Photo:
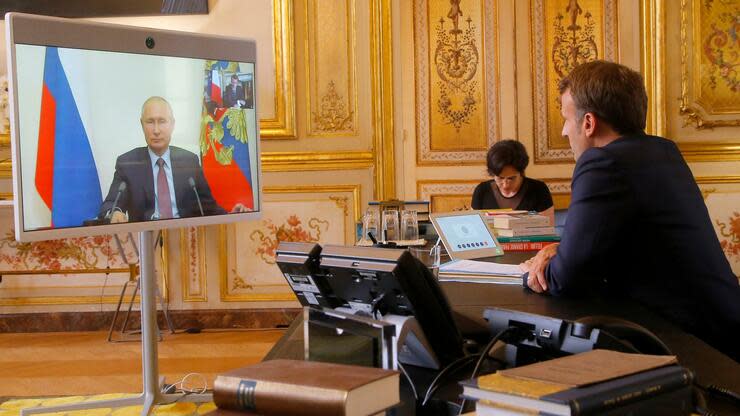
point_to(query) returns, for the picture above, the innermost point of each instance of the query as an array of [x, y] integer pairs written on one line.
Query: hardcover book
[[672, 403], [518, 232], [520, 221], [583, 384], [305, 388]]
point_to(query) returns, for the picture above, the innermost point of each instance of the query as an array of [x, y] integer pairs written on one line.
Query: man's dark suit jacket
[[135, 168], [230, 96], [638, 227]]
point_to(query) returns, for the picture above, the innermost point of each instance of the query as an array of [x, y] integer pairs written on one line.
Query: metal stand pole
[[152, 386]]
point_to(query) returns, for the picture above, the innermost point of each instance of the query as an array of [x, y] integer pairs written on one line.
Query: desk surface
[[468, 301]]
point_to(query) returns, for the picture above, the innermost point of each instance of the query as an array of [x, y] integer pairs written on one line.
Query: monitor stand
[[152, 384], [411, 346]]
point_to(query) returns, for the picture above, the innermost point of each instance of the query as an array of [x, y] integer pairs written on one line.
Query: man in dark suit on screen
[[637, 224], [233, 95], [158, 181]]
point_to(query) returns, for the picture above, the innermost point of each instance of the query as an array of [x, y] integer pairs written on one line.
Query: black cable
[[523, 334], [433, 385], [411, 382], [375, 305]]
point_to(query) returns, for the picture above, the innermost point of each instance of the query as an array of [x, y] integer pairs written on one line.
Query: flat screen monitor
[[118, 128]]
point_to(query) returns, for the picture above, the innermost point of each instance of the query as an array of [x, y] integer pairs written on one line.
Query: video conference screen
[[123, 138]]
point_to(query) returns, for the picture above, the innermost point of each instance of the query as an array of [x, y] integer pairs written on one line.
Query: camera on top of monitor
[[149, 42]]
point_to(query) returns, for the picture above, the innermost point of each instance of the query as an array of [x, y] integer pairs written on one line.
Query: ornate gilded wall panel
[[722, 196], [565, 33], [318, 213], [74, 271], [457, 88], [193, 271], [282, 124], [710, 63], [330, 68]]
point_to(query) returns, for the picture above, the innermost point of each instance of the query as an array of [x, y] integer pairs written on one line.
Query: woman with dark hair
[[509, 188]]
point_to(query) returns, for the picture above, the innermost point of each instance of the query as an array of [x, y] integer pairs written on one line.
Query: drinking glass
[[390, 225], [371, 224], [429, 256], [409, 225]]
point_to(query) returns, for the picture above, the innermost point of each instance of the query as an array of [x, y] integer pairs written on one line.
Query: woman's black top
[[535, 197]]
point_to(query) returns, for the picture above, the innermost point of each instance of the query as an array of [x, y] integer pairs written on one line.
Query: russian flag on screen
[[66, 176], [230, 183]]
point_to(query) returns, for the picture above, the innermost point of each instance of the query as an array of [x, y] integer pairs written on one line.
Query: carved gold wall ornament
[[333, 116], [710, 61], [565, 33], [456, 62], [457, 80]]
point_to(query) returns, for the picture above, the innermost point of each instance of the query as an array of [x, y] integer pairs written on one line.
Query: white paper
[[480, 268]]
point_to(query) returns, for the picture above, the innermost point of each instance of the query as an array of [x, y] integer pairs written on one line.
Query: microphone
[[121, 188], [191, 181]]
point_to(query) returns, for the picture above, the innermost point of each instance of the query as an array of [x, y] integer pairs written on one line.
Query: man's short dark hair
[[234, 76], [505, 153], [613, 92]]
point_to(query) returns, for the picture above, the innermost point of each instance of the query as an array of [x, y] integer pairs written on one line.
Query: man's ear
[[589, 124]]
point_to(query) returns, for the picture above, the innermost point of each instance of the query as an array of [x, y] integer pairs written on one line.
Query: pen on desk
[[372, 238]]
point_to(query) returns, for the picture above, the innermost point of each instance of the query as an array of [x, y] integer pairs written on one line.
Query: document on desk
[[482, 268], [471, 271]]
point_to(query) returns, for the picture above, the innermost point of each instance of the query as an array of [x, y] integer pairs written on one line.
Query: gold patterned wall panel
[[565, 33], [6, 169], [457, 85], [330, 68], [722, 196], [710, 63], [74, 271], [317, 213]]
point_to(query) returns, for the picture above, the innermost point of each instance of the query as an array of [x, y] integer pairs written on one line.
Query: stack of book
[[599, 382], [295, 388], [517, 231]]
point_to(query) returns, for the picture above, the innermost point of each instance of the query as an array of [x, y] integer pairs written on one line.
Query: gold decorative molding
[[4, 140], [193, 273], [341, 202], [381, 62], [457, 81], [332, 117], [652, 19], [6, 196], [697, 107], [6, 169], [330, 45], [565, 33], [282, 126], [710, 151], [61, 300], [701, 180], [311, 161]]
